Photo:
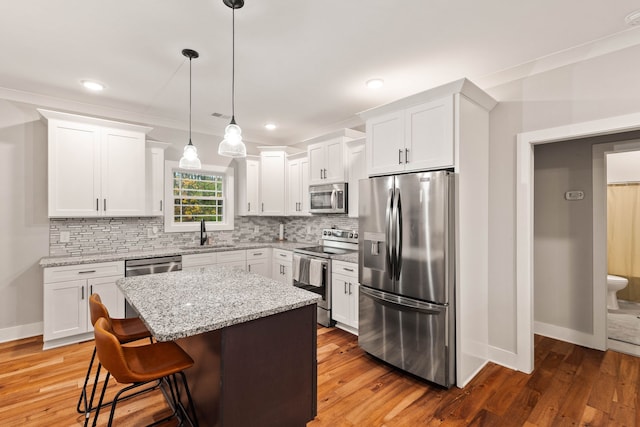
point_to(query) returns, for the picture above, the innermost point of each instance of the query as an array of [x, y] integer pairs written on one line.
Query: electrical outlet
[[64, 236], [256, 229]]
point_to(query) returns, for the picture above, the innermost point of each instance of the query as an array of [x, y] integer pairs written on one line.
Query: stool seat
[[129, 330], [153, 361]]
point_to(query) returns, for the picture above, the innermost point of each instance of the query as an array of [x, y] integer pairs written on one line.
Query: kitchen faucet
[[203, 233]]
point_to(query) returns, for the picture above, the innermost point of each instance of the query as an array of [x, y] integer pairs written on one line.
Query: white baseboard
[[505, 358], [568, 335], [21, 331], [624, 347]]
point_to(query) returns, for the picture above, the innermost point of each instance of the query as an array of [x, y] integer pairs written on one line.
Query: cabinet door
[[110, 295], [317, 163], [74, 169], [429, 132], [259, 266], [293, 187], [123, 173], [340, 304], [385, 143], [272, 183], [334, 161], [241, 265], [354, 291], [65, 309], [304, 186], [356, 170], [155, 181], [253, 184], [282, 272]]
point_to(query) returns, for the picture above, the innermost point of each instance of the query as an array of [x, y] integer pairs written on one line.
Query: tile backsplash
[[122, 235]]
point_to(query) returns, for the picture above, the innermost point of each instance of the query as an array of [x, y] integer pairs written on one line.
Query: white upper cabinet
[[356, 170], [96, 167], [297, 186], [421, 132], [326, 163], [272, 183], [155, 177], [248, 186], [416, 138]]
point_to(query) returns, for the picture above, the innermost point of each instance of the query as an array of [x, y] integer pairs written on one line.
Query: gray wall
[[593, 89], [563, 236]]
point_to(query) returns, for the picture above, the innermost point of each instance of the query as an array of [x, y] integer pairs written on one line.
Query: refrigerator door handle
[[397, 208], [399, 303], [389, 258]]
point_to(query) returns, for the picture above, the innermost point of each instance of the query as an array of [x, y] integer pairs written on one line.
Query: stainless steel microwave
[[328, 198]]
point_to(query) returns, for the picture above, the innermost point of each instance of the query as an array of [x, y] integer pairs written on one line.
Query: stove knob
[[325, 232], [351, 235], [355, 235]]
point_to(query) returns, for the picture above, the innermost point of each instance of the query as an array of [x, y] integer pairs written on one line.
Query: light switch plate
[[64, 236], [574, 195]]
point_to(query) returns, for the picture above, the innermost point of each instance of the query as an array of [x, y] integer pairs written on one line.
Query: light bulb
[[232, 145], [190, 158]]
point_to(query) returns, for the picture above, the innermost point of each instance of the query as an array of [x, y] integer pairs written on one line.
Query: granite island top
[[186, 303], [56, 261]]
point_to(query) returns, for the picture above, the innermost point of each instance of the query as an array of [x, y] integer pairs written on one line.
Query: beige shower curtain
[[623, 236]]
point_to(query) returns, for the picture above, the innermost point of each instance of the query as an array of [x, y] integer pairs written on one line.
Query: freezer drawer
[[412, 335]]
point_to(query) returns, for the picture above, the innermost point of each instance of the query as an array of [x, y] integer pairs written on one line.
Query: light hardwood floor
[[571, 385]]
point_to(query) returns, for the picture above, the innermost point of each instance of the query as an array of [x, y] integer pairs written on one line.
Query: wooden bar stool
[[142, 365], [125, 330]]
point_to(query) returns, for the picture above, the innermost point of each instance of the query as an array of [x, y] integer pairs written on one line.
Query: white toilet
[[614, 284]]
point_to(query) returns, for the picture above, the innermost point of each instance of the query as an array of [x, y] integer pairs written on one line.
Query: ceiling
[[299, 64]]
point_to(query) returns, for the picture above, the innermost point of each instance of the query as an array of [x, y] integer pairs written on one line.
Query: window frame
[[228, 198]]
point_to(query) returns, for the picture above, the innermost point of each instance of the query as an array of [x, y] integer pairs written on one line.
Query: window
[[194, 195]]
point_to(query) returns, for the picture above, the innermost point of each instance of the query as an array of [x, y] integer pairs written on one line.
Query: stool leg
[[83, 393], [104, 389], [190, 401]]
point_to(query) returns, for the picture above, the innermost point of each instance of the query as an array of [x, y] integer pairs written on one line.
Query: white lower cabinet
[[282, 266], [66, 300], [237, 259], [344, 295], [259, 261], [195, 261]]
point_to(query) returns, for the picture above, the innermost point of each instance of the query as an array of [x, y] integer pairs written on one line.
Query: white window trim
[[229, 203]]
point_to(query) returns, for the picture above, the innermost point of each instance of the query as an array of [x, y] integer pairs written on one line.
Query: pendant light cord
[[233, 64], [190, 99]]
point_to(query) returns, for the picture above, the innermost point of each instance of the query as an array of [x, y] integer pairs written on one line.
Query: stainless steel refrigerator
[[407, 273]]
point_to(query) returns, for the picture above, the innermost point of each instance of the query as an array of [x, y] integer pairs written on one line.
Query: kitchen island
[[253, 341]]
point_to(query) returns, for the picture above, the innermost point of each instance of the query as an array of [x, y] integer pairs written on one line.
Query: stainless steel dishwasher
[[143, 266]]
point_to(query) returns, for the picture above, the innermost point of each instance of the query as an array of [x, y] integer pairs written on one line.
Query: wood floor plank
[[571, 385]]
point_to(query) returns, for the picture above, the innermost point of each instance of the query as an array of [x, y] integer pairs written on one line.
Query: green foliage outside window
[[197, 196]]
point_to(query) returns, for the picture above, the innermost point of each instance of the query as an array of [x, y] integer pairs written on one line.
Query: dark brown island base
[[253, 341]]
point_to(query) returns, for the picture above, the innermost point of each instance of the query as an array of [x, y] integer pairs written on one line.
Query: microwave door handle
[[333, 199]]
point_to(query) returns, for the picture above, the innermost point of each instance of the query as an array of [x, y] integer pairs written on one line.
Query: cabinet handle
[[349, 288], [321, 173], [406, 155], [345, 288], [104, 204], [97, 201], [263, 207], [347, 269], [257, 254], [399, 154], [86, 271], [160, 205], [325, 174], [82, 296], [90, 289], [249, 267], [282, 255]]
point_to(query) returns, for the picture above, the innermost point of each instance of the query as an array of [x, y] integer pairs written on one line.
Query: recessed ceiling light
[[633, 18], [375, 83], [270, 126], [92, 85]]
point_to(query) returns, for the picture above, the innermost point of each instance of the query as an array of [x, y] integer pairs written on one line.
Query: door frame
[[524, 224]]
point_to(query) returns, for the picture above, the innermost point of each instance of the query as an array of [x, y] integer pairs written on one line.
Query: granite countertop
[[186, 303], [178, 250]]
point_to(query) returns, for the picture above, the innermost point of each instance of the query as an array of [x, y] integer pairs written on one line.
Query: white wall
[[24, 225], [593, 89], [623, 167]]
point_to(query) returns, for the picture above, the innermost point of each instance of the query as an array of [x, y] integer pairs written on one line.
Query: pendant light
[[232, 145], [190, 158]]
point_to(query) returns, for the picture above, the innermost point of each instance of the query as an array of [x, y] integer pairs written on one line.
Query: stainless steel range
[[312, 266]]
